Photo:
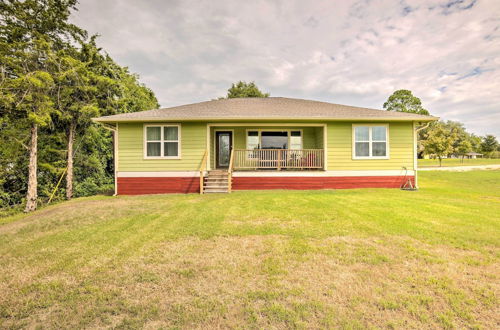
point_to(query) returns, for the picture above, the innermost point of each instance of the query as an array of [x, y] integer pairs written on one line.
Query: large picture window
[[273, 140], [269, 139], [370, 142], [162, 141]]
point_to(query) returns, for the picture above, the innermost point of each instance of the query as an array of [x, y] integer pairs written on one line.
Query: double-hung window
[[295, 140], [370, 142], [253, 140], [162, 141]]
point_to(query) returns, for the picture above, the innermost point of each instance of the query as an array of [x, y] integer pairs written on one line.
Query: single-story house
[[473, 155], [263, 143]]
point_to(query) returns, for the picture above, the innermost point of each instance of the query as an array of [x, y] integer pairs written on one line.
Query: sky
[[447, 52]]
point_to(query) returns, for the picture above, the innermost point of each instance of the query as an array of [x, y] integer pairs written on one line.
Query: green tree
[[464, 147], [404, 101], [459, 132], [438, 140], [77, 86], [475, 142], [489, 144], [13, 161], [26, 94], [52, 81], [30, 32], [92, 84], [244, 89]]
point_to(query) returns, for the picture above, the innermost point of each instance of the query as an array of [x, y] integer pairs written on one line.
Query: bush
[[494, 154], [89, 187]]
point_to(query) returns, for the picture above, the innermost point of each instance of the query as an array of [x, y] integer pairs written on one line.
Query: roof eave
[[144, 119]]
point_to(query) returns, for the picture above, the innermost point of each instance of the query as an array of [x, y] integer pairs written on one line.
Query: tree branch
[[21, 143]]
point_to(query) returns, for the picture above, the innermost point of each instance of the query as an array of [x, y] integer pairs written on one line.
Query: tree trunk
[[32, 194], [440, 161], [69, 172]]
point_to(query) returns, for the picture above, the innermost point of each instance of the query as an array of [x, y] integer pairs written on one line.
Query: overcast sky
[[349, 52]]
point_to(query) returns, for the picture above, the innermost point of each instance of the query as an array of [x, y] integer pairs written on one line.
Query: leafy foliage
[[489, 144], [404, 101], [54, 79], [439, 140], [464, 147], [447, 138], [244, 89]]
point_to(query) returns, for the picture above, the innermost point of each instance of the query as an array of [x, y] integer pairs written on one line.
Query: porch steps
[[215, 182]]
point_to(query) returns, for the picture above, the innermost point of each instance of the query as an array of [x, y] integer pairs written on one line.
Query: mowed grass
[[260, 259], [458, 162]]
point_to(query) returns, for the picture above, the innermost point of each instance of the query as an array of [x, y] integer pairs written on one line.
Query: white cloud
[[351, 52]]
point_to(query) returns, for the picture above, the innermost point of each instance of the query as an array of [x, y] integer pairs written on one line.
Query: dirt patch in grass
[[268, 281]]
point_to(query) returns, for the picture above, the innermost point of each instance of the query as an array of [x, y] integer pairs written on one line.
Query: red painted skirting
[[300, 183], [143, 186]]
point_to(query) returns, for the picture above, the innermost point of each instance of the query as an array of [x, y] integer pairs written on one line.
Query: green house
[[263, 143]]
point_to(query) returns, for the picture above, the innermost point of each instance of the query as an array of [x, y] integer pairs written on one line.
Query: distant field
[[366, 258], [457, 162]]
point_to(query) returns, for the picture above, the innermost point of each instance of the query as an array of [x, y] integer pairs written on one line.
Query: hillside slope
[[350, 258]]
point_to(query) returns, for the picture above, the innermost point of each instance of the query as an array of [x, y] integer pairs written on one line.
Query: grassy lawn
[[457, 162], [260, 259]]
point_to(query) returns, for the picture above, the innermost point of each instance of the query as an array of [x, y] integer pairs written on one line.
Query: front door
[[223, 146]]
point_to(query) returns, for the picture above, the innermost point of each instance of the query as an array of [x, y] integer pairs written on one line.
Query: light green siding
[[131, 149], [194, 135], [318, 137], [340, 148]]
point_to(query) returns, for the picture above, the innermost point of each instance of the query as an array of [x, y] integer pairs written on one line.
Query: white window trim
[[289, 134], [370, 141], [162, 141], [246, 137]]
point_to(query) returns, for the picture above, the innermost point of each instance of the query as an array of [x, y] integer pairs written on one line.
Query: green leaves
[[439, 140], [403, 101], [39, 79], [489, 144], [244, 89], [53, 76]]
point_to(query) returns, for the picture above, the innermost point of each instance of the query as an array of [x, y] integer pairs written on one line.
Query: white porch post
[[209, 165], [415, 153], [325, 147]]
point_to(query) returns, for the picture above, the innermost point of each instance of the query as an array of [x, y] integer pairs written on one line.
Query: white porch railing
[[278, 159]]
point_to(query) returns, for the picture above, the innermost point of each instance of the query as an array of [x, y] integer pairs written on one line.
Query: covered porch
[[267, 147]]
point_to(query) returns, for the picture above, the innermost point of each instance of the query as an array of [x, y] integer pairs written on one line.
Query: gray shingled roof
[[263, 109]]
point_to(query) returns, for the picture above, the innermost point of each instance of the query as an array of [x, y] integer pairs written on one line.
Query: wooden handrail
[[230, 171], [203, 167], [279, 159]]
